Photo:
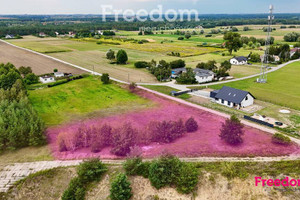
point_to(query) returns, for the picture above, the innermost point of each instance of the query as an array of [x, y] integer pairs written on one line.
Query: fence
[[258, 121]]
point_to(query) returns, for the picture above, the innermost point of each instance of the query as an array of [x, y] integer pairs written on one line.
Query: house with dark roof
[[201, 75], [232, 97], [204, 75], [241, 60]]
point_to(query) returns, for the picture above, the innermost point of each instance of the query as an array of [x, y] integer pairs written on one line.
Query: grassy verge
[[166, 90]]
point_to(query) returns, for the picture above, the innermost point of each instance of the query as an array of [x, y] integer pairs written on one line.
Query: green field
[[283, 87], [86, 97]]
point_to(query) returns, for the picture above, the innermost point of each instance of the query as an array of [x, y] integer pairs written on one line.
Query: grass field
[[283, 87], [86, 97]]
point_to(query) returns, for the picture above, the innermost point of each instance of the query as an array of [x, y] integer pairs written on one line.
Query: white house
[[232, 97], [59, 74], [9, 37], [42, 34], [241, 60], [203, 75], [47, 79]]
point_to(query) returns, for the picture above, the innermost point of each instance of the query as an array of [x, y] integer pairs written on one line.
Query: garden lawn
[[283, 87], [83, 98], [203, 142]]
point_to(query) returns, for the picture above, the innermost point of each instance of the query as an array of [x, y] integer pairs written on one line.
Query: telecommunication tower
[[265, 61]]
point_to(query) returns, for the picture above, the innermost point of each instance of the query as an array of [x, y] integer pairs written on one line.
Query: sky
[[94, 6]]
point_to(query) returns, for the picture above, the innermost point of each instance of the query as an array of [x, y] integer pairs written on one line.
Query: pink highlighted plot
[[203, 142]]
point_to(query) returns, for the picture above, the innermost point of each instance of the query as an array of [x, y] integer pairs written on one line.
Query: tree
[[120, 188], [180, 38], [110, 54], [177, 64], [164, 171], [187, 77], [255, 57], [8, 75], [291, 37], [31, 78], [25, 70], [123, 138], [188, 35], [105, 78], [232, 131], [55, 70], [122, 57], [191, 125], [232, 42], [141, 64], [91, 170], [246, 28], [188, 178]]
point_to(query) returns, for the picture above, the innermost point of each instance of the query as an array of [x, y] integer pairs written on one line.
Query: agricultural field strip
[[18, 171], [174, 86]]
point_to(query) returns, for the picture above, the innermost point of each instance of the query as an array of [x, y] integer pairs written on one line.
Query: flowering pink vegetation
[[204, 142]]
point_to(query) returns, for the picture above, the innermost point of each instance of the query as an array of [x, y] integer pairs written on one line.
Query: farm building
[[203, 75], [42, 34], [232, 97], [59, 74], [241, 60], [47, 79]]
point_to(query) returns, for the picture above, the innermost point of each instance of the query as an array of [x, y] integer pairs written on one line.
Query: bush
[[91, 170], [123, 139], [132, 166], [75, 191], [55, 70], [110, 54], [278, 138], [191, 125], [232, 131], [132, 86], [105, 78], [180, 38], [164, 171], [141, 64], [120, 188], [188, 178], [122, 57], [255, 57]]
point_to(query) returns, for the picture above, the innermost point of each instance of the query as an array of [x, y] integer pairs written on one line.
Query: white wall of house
[[248, 101], [234, 61], [47, 80], [201, 79], [225, 103]]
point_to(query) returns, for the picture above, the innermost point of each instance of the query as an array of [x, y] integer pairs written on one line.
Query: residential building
[[9, 36], [241, 60], [294, 50], [47, 79], [203, 75], [59, 74], [232, 97]]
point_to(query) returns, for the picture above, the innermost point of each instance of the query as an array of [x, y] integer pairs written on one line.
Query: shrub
[[122, 57], [75, 191], [164, 171], [123, 139], [105, 78], [191, 125], [232, 131], [91, 170], [120, 188], [180, 38], [188, 178], [141, 64], [55, 70], [278, 138], [132, 86], [132, 166]]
